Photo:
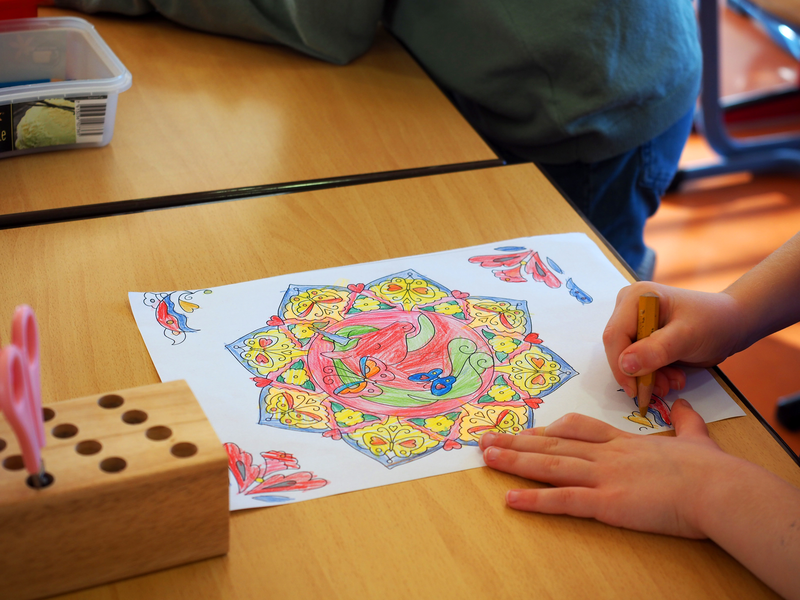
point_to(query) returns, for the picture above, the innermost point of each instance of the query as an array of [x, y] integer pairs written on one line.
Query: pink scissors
[[20, 391]]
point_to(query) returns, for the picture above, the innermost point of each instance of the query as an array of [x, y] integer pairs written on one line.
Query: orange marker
[[647, 324]]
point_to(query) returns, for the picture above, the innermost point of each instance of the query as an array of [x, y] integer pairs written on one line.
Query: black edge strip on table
[[107, 209], [758, 416], [781, 442]]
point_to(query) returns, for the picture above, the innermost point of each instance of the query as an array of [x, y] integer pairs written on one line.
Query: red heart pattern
[[451, 445], [533, 402]]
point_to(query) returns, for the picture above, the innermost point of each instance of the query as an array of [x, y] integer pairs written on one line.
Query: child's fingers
[[555, 470], [675, 376], [575, 501], [575, 426], [540, 444], [669, 378], [661, 387], [620, 332]]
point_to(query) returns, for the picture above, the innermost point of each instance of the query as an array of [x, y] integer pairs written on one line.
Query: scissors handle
[[15, 400], [25, 336]]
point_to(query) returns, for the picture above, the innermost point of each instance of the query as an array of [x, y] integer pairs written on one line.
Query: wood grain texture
[[449, 536], [139, 484], [209, 112]]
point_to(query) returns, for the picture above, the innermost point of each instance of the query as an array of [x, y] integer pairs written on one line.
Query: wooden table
[[208, 113], [446, 537]]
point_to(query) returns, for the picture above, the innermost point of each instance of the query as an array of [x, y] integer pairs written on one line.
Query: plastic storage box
[[59, 83]]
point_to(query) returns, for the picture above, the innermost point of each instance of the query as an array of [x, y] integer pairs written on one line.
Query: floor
[[711, 231]]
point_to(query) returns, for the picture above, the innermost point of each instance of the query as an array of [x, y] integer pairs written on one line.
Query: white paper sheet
[[341, 379]]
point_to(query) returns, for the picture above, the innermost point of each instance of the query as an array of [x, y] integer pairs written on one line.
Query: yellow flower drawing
[[303, 331], [365, 304], [501, 393], [440, 424], [348, 417], [449, 308], [503, 344], [295, 376]]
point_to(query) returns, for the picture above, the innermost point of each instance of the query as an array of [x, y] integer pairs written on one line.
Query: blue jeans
[[619, 194]]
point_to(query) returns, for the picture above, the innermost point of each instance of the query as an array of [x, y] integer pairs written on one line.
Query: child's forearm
[[755, 517], [769, 294]]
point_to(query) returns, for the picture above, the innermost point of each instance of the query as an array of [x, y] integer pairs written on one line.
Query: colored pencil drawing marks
[[518, 264], [657, 417], [399, 368], [264, 482], [172, 310]]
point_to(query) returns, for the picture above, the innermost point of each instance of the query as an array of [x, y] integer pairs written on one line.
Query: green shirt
[[559, 81], [555, 81]]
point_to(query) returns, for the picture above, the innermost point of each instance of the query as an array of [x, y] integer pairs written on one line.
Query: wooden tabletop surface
[[208, 112], [449, 536]]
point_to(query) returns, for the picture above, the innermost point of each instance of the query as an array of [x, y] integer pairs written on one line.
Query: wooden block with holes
[[140, 483]]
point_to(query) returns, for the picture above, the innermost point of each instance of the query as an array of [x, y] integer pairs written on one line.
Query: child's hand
[[697, 329], [646, 483]]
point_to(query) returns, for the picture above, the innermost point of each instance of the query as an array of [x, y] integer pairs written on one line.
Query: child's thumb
[[650, 354], [686, 421]]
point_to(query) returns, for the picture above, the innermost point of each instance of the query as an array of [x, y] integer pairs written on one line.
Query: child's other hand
[[697, 329], [646, 483]]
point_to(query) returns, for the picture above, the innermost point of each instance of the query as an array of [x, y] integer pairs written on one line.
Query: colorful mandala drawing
[[657, 415], [400, 367], [518, 264], [172, 310], [263, 482]]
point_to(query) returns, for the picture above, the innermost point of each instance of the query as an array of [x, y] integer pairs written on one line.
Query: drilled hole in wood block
[[65, 430], [134, 417], [115, 464], [48, 414], [45, 481], [88, 447], [13, 463], [158, 432], [2, 444], [184, 450], [111, 401]]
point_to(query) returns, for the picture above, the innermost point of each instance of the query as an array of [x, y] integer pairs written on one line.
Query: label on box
[[52, 122], [6, 138]]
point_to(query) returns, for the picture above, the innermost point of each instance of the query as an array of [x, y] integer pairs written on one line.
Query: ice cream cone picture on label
[[43, 123]]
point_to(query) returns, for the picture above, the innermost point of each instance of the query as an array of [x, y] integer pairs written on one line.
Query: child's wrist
[[740, 320], [718, 494]]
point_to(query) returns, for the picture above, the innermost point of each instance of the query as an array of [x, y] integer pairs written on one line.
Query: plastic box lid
[[56, 57]]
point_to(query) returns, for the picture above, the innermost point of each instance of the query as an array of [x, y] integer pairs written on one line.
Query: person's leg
[[619, 194]]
